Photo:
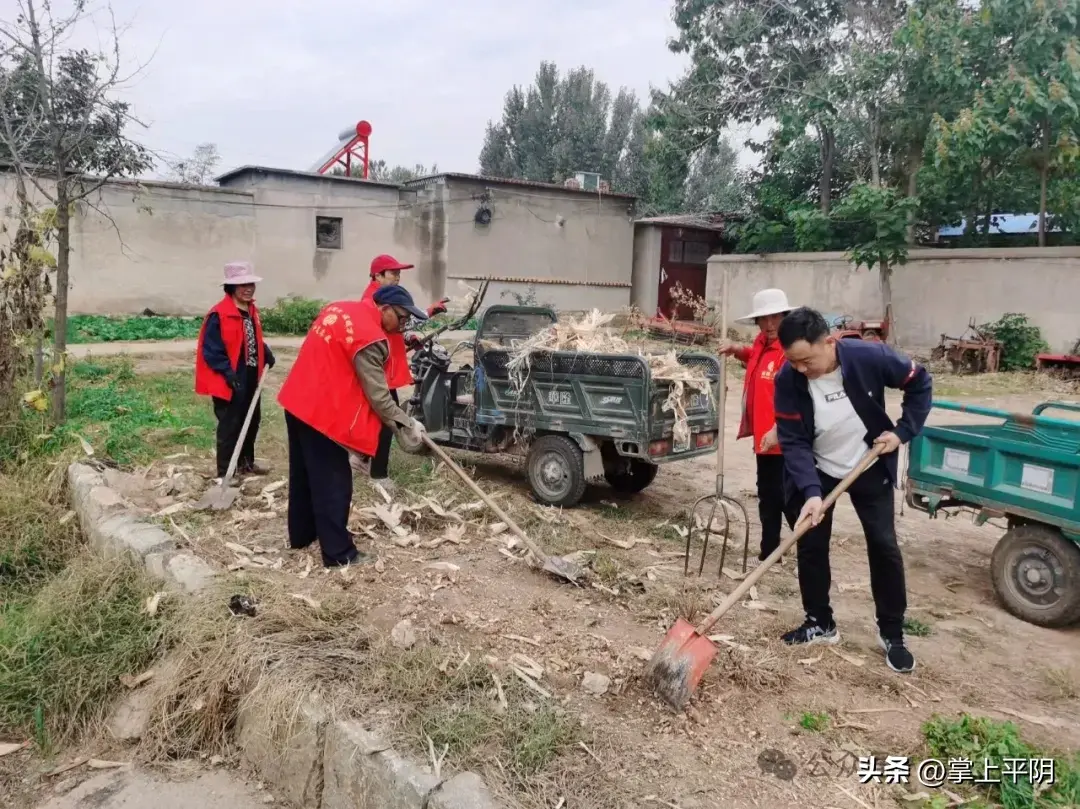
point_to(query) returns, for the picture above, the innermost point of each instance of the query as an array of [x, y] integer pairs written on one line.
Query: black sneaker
[[811, 632], [897, 656]]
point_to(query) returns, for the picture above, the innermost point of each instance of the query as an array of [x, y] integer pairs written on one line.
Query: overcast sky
[[272, 82]]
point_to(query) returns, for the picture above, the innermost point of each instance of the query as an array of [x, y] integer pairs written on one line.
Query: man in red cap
[[336, 401], [386, 271]]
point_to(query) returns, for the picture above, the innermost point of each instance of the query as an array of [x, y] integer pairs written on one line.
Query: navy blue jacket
[[213, 350], [868, 368]]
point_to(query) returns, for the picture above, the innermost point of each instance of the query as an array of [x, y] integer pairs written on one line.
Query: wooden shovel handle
[[244, 429], [502, 515], [800, 529]]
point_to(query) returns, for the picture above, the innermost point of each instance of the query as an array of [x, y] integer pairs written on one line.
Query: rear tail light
[[704, 439], [662, 447]]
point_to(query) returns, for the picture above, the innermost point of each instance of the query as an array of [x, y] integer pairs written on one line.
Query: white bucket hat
[[767, 302], [240, 273]]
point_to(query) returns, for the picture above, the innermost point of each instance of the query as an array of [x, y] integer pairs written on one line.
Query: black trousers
[[872, 497], [772, 506], [320, 493], [381, 462], [230, 416]]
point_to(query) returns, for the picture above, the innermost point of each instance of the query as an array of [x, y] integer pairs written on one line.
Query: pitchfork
[[718, 500]]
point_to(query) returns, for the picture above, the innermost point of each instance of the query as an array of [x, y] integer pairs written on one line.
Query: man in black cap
[[336, 400]]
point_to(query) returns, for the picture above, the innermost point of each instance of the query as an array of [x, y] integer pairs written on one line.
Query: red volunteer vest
[[209, 382], [322, 389], [398, 374], [763, 363]]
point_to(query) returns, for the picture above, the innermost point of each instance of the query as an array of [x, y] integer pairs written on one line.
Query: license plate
[[699, 401]]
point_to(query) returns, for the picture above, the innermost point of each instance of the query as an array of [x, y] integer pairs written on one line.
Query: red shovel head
[[680, 663]]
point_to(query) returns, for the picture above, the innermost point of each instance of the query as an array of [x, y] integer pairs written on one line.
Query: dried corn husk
[[590, 334]]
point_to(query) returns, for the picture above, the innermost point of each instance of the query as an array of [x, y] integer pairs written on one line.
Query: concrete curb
[[323, 763]]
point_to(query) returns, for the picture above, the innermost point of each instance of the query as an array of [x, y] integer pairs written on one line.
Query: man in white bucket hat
[[763, 359]]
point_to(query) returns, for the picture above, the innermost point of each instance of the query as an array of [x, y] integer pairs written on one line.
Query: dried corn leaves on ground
[[591, 334]]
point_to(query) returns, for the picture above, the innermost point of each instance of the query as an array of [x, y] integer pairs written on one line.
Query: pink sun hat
[[240, 272]]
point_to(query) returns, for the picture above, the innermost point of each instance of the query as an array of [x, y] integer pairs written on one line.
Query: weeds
[[289, 316], [282, 652], [34, 543], [916, 628], [103, 329], [122, 417], [814, 722], [999, 756], [63, 651]]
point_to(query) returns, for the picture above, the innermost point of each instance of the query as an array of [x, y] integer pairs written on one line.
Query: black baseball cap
[[397, 295]]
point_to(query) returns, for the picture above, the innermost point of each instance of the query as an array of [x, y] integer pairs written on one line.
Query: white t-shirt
[[838, 430]]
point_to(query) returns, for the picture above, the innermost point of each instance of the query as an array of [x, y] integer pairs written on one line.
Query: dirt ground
[[973, 656]]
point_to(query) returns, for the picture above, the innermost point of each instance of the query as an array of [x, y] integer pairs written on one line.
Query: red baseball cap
[[384, 262]]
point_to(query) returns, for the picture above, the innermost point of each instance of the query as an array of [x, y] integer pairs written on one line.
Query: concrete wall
[[574, 250], [162, 246], [375, 219], [645, 277], [936, 292]]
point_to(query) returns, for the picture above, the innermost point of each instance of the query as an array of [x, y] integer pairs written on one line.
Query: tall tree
[[752, 61], [379, 171], [199, 168], [561, 125], [62, 130]]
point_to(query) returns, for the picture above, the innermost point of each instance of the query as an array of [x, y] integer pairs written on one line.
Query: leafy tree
[[379, 171], [714, 183], [561, 125], [753, 61], [877, 218], [199, 168], [63, 131]]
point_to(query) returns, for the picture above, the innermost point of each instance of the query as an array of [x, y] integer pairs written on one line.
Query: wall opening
[[328, 232]]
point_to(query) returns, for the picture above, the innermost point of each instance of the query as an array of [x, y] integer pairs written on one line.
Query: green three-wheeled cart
[[1024, 469]]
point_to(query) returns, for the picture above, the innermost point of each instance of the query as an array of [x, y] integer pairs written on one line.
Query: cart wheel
[[630, 475], [556, 470], [1036, 574]]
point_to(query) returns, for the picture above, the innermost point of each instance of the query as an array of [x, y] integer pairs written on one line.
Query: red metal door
[[682, 262]]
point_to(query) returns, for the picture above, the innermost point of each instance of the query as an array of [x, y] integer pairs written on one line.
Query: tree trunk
[[885, 282], [914, 163], [875, 154], [63, 262], [828, 156], [971, 226], [1044, 176]]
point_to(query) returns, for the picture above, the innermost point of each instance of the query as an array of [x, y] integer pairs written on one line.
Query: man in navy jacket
[[830, 409]]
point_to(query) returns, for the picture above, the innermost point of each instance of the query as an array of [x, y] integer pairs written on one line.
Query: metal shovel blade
[[218, 498], [563, 568], [679, 664]]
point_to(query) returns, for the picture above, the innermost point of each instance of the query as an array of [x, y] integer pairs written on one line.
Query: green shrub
[[290, 315], [1020, 341]]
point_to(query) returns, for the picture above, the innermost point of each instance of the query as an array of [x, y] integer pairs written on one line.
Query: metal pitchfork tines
[[722, 502], [718, 499]]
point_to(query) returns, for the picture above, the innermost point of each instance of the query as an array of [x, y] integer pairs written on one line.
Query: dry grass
[[64, 650], [1063, 684], [289, 651]]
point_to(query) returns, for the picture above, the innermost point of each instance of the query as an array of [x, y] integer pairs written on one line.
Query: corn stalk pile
[[591, 335]]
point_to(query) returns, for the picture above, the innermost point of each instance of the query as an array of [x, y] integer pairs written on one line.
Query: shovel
[[685, 653], [222, 496], [555, 565]]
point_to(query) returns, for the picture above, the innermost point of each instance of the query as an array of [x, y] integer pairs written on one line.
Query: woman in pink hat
[[229, 361]]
